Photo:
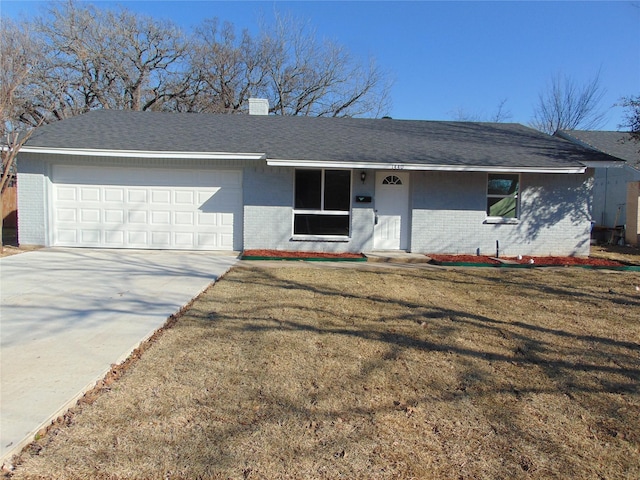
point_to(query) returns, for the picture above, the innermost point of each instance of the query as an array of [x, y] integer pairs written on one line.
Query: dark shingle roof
[[617, 144], [318, 139]]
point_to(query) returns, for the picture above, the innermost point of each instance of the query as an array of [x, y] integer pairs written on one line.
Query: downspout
[[604, 207]]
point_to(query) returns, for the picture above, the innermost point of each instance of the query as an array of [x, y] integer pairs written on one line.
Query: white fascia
[[421, 167], [91, 152]]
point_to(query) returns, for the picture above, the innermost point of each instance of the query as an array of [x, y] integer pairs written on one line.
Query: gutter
[[421, 167], [94, 152]]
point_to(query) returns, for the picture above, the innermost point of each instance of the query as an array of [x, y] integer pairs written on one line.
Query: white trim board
[[89, 152], [422, 167]]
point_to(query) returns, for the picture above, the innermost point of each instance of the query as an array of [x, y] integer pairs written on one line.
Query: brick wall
[[448, 215], [32, 200], [447, 212], [268, 215]]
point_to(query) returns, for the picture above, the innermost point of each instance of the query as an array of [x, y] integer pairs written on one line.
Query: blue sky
[[450, 56]]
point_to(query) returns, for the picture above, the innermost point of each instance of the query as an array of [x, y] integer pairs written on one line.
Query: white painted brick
[[32, 201], [555, 216], [447, 212]]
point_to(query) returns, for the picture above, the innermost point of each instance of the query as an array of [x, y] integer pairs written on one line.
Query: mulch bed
[[480, 259], [526, 260], [594, 262], [438, 258], [281, 254]]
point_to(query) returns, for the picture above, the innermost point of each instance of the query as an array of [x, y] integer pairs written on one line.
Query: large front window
[[322, 202], [502, 195]]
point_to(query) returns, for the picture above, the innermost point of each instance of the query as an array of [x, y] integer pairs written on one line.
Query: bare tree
[[308, 77], [566, 105], [631, 121], [632, 116], [146, 59], [288, 66], [18, 55], [460, 114], [227, 69], [501, 114], [96, 58], [106, 59], [74, 77]]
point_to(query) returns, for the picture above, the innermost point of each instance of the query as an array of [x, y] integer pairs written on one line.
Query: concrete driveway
[[66, 315]]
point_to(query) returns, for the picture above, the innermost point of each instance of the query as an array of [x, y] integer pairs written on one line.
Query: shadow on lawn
[[511, 370], [515, 359], [461, 319]]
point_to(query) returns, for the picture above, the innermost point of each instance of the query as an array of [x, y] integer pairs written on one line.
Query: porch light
[[363, 176]]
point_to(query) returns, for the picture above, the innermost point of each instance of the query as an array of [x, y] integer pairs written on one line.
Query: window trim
[[321, 211], [489, 219]]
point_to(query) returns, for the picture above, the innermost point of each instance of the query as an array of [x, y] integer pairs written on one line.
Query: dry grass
[[625, 254], [322, 372], [10, 243], [8, 250]]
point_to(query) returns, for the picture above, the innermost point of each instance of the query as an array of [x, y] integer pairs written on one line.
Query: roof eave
[[605, 164], [423, 167], [94, 152]]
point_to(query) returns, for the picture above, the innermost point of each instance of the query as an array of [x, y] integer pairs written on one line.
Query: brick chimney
[[258, 106]]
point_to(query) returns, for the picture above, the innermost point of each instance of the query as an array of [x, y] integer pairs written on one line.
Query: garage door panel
[[115, 195], [66, 193], [184, 239], [89, 194], [226, 239], [67, 236], [114, 238], [210, 219], [137, 196], [89, 215], [113, 217], [137, 217], [67, 214], [209, 240], [145, 208], [137, 238], [183, 218], [226, 219], [161, 196], [161, 239], [90, 236], [222, 201], [160, 218], [184, 198]]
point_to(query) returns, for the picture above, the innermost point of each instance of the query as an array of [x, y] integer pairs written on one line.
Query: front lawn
[[320, 371]]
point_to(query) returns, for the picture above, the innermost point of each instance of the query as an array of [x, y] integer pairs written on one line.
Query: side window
[[503, 192]]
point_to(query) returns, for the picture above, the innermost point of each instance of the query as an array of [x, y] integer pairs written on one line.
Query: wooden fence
[[10, 207]]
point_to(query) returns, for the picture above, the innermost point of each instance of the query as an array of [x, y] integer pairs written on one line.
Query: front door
[[391, 231]]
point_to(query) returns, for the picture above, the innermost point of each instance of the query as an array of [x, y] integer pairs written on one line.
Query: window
[[502, 195], [322, 202], [392, 180]]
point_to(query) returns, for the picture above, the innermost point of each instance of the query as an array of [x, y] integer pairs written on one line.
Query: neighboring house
[[121, 179], [610, 184]]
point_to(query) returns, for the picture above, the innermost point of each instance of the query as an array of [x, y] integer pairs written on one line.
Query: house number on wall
[[396, 167]]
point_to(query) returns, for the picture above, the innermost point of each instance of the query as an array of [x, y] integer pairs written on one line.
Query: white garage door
[[154, 208]]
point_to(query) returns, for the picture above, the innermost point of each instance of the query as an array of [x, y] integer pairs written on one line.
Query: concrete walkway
[[66, 315]]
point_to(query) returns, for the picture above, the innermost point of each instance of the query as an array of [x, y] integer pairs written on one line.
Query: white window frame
[[498, 219]]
